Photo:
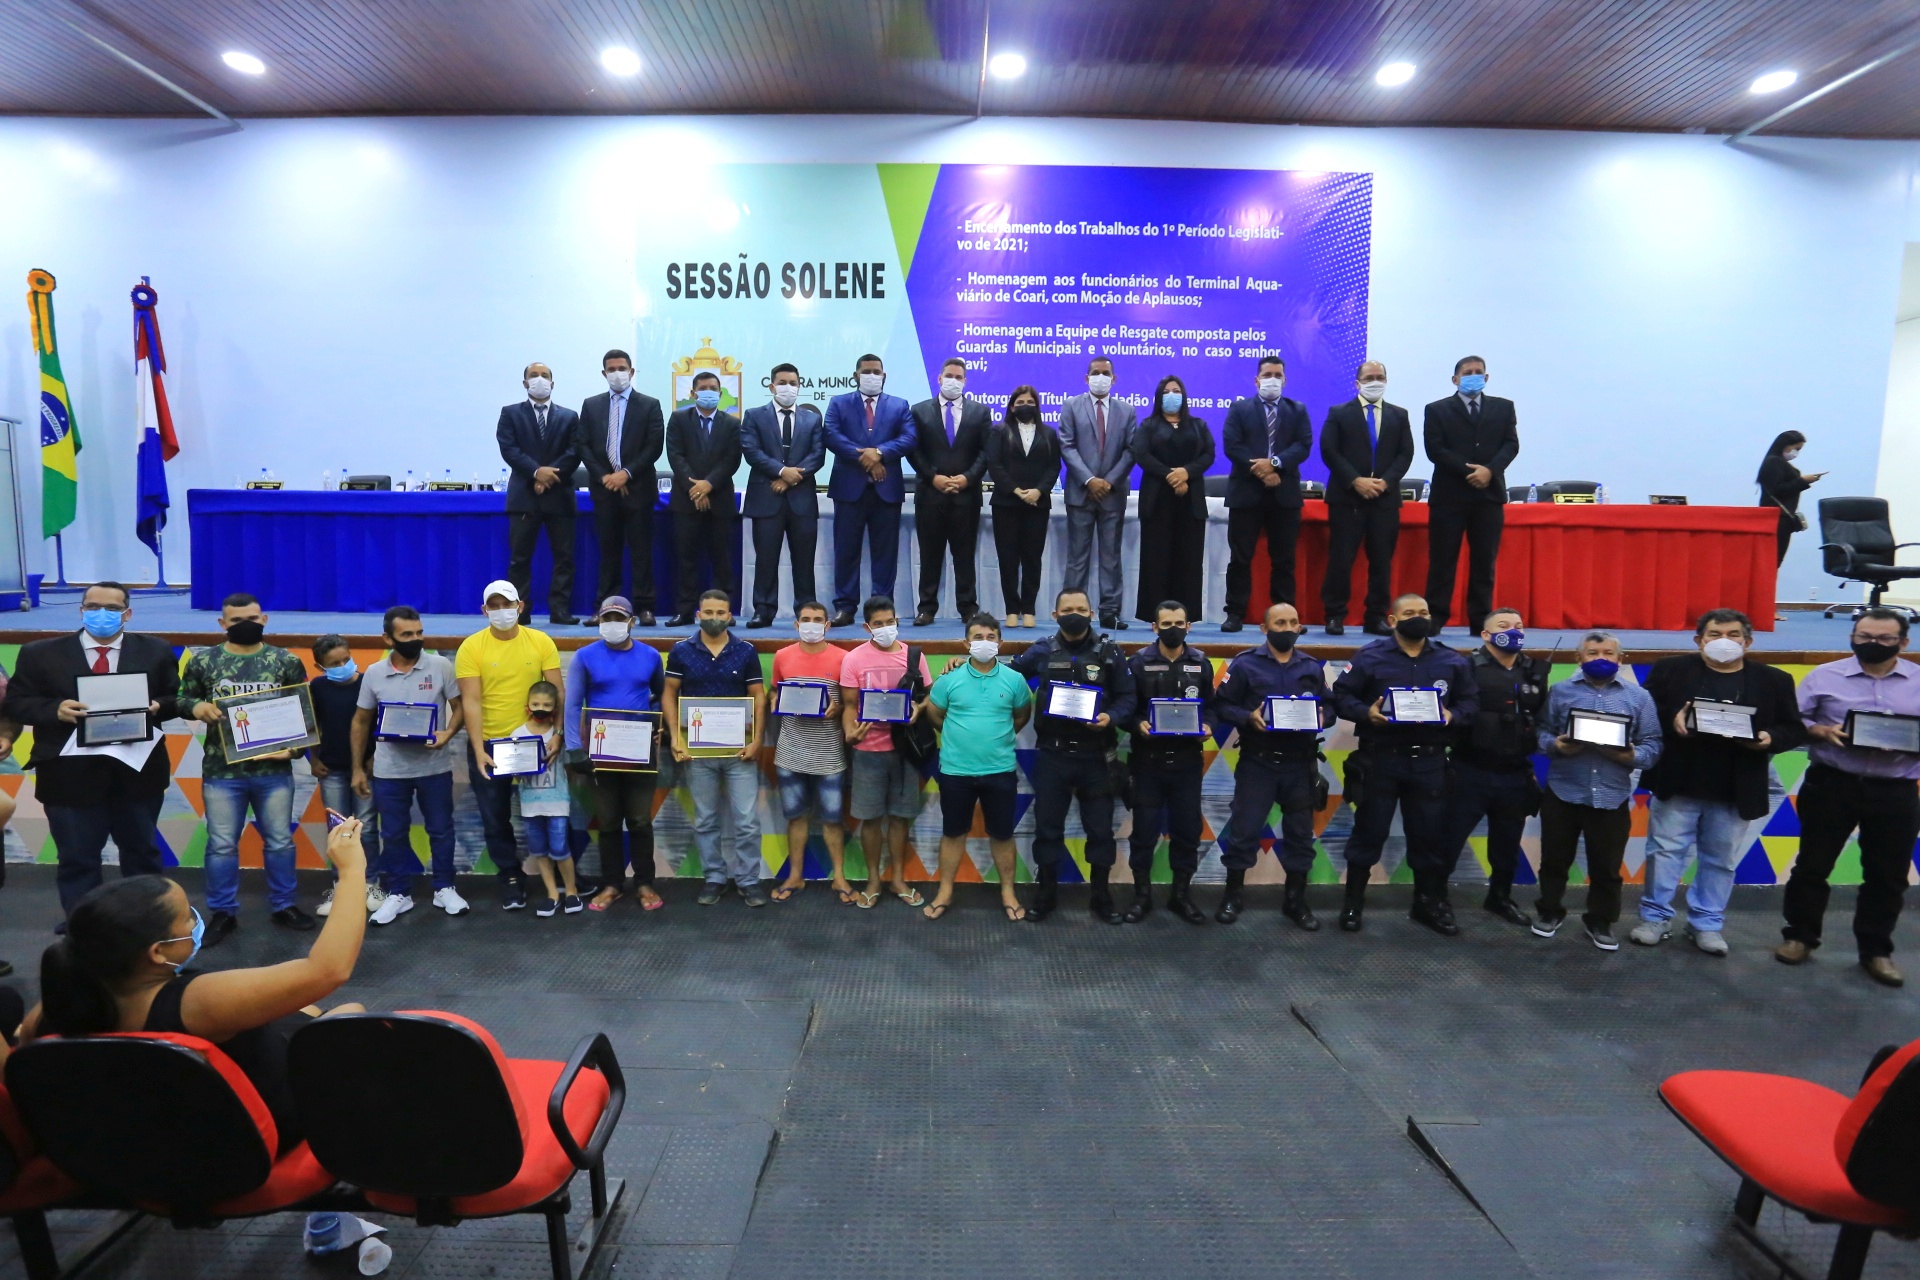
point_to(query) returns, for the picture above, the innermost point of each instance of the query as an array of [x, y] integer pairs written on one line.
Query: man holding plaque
[[810, 753], [613, 674], [718, 743], [1082, 687], [1403, 695], [1174, 684], [885, 791], [1721, 716], [1863, 716]]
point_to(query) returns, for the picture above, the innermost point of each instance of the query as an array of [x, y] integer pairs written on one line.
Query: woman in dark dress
[[1781, 484], [1023, 457], [1174, 450]]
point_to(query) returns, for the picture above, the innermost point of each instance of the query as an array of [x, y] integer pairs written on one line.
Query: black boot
[[1293, 904], [1431, 908], [1231, 902], [1142, 898], [1100, 902], [1356, 902], [1046, 894], [1181, 902], [1500, 902]]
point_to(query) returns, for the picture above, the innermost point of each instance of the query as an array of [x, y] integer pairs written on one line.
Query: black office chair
[[1546, 489], [1856, 545], [1216, 486], [1517, 492], [1313, 489], [1413, 489]]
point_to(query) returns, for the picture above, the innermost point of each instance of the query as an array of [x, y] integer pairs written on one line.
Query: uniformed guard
[[1403, 694], [1490, 774], [1077, 756], [1277, 766], [1167, 767]]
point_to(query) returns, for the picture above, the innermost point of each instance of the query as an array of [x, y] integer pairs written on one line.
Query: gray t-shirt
[[429, 681]]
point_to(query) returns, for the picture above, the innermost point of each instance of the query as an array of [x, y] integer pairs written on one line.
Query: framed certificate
[[1292, 715], [802, 698], [1721, 719], [517, 757], [406, 721], [259, 724], [116, 709], [885, 706], [1883, 731], [1175, 718], [716, 726], [1414, 705], [1601, 728], [622, 741], [1074, 702]]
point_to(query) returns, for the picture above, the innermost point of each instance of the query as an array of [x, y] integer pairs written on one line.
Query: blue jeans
[[336, 792], [227, 800], [1676, 828], [549, 837], [494, 796], [707, 777], [394, 797]]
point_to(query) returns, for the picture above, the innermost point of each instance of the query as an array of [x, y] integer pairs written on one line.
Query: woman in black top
[[1781, 484], [1023, 457], [1174, 450]]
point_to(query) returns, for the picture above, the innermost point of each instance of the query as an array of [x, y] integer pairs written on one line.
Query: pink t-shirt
[[870, 668]]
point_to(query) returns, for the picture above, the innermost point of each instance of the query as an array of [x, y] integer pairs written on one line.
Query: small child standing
[[546, 804]]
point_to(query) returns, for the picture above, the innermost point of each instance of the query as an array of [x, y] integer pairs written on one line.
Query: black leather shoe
[[1336, 628], [923, 619], [526, 617], [296, 919], [1231, 902], [1181, 903], [1142, 904], [1293, 905], [680, 620], [645, 618], [1232, 624], [563, 620], [759, 620], [1503, 905], [1378, 627], [1046, 896], [1435, 913], [1100, 903], [220, 927], [843, 619], [1355, 904], [1113, 622]]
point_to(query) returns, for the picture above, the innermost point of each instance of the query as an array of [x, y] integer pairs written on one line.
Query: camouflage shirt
[[215, 673]]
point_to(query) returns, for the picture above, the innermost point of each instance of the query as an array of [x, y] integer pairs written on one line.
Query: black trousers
[[1480, 523], [706, 533], [1173, 544], [1244, 527], [1562, 825], [1060, 778], [801, 533], [1375, 526], [80, 834], [523, 533], [1166, 797], [624, 532], [946, 528], [1258, 785], [1832, 804], [623, 806], [1020, 538], [1504, 799], [1416, 785]]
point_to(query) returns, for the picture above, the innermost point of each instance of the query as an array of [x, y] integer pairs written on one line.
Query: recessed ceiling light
[[620, 61], [244, 63], [1393, 75], [1007, 66], [1773, 82]]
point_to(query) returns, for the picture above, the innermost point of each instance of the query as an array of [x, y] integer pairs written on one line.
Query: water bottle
[[407, 485], [270, 476], [446, 475], [1533, 493], [502, 486], [476, 481], [263, 474], [238, 483], [343, 477], [1600, 494], [326, 481]]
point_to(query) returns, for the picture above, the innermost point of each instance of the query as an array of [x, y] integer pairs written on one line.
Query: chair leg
[[1850, 1253], [36, 1245], [1746, 1205], [597, 1183], [558, 1247]]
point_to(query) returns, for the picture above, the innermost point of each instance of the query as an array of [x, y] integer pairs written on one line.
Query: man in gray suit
[[1096, 438], [785, 447]]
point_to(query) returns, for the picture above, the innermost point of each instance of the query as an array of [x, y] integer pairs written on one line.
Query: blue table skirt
[[329, 551]]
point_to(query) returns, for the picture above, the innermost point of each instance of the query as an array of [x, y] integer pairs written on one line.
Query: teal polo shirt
[[977, 738]]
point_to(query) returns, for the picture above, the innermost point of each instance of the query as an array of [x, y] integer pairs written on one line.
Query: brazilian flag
[[59, 433]]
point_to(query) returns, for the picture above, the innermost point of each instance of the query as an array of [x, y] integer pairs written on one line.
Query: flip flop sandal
[[911, 897], [866, 901], [654, 905], [848, 897], [786, 892], [1011, 910], [937, 910], [597, 905]]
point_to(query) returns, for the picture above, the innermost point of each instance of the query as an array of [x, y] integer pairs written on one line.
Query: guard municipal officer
[[1167, 769], [1277, 766], [1402, 759], [1077, 759]]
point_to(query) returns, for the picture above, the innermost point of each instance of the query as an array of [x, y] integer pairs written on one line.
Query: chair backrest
[[1215, 486], [1517, 493], [16, 1144], [1312, 489], [1878, 1138], [1860, 523], [1548, 488], [156, 1118], [1413, 489], [462, 1129]]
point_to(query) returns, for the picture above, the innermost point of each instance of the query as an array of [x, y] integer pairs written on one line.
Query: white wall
[[1900, 431], [366, 290]]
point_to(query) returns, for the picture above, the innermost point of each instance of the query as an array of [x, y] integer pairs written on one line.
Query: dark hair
[[1270, 359], [805, 605], [108, 933], [1162, 607], [715, 593], [1463, 361], [876, 604], [1024, 389], [869, 358], [1501, 609], [398, 613], [1722, 615], [616, 354], [1362, 367], [125, 594], [984, 619], [545, 687], [951, 361], [703, 376], [1880, 613], [1105, 360], [1064, 592], [239, 600], [1159, 389], [1781, 443], [783, 367], [327, 644]]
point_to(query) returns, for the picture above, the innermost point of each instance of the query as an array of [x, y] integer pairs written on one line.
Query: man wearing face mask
[[1401, 763], [1267, 437], [1472, 438], [621, 435], [1708, 790], [1167, 770], [949, 457], [785, 446], [703, 448], [885, 791], [868, 432], [1077, 758], [1277, 766], [1096, 443], [715, 663], [1367, 445], [538, 443], [615, 674]]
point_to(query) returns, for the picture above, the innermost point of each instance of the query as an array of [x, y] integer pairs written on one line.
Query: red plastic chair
[[1852, 1161], [29, 1185]]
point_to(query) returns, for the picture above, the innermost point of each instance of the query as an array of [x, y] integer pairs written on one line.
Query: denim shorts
[[818, 793], [995, 793], [549, 837], [884, 785]]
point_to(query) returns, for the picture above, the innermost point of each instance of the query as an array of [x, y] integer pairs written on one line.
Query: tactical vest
[[1094, 665], [1184, 677], [1503, 734]]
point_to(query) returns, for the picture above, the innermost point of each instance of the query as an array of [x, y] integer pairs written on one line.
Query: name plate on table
[[802, 698], [1882, 731], [406, 721], [622, 741], [885, 706], [716, 726], [1601, 728], [1292, 715], [1175, 718], [273, 720], [1721, 719], [1414, 706], [116, 709], [1074, 702], [517, 757]]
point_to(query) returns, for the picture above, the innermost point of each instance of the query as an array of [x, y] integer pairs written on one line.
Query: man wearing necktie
[[1096, 443], [1267, 438], [785, 449], [1367, 445], [537, 442], [868, 432], [1471, 438], [621, 435], [949, 458], [703, 449]]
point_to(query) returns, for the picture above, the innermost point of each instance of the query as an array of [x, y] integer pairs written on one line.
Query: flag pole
[[160, 555], [60, 562]]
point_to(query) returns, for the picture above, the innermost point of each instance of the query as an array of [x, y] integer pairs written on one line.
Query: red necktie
[[869, 415], [100, 660], [1100, 423]]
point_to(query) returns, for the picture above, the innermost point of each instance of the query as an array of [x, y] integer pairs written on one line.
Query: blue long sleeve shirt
[[1384, 665], [630, 679], [1590, 778]]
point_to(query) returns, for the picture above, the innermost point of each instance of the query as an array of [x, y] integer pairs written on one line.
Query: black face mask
[[246, 632], [1414, 628], [1173, 637], [1026, 413], [1282, 641], [1872, 651], [409, 649], [1075, 625]]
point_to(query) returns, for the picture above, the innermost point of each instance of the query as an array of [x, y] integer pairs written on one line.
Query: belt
[[1410, 749]]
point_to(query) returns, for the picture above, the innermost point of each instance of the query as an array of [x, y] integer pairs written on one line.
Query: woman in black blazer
[[1781, 484], [1174, 450], [1023, 457]]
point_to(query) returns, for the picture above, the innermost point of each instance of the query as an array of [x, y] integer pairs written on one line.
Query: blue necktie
[[1373, 435]]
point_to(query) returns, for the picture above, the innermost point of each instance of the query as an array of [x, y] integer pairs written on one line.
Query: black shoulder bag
[[916, 740]]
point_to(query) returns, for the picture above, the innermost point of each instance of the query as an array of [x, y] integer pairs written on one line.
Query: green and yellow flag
[[59, 433]]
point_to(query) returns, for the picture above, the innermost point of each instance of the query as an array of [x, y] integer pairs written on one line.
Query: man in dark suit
[[1471, 437], [1267, 438], [1367, 445], [868, 432], [949, 457], [537, 443], [703, 448], [620, 437], [785, 446], [90, 798]]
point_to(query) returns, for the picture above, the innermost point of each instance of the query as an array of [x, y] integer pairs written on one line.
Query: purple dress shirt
[[1832, 689]]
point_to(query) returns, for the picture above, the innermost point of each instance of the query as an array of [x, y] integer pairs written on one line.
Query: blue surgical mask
[[101, 624], [199, 932], [1512, 640], [707, 398], [344, 672], [1473, 383], [1600, 670], [1171, 401]]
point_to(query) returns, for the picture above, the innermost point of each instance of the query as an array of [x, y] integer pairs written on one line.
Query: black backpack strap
[[913, 685]]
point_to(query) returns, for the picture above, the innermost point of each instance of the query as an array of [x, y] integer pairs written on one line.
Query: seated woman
[[118, 969]]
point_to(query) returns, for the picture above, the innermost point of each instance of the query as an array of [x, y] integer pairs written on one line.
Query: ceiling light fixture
[[1773, 82], [1007, 66], [245, 63], [1393, 75], [620, 61]]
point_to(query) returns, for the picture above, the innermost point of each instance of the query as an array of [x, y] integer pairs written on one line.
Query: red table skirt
[[1578, 565]]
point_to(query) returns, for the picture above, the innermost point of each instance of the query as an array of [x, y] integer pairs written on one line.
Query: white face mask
[[983, 650], [619, 380], [950, 388], [1270, 388], [616, 632], [1099, 383], [786, 395], [1790, 454], [1373, 392], [885, 636], [812, 632], [871, 383], [503, 619], [1725, 649], [539, 388]]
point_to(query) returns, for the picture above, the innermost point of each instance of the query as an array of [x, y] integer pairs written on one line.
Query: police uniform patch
[[1093, 671]]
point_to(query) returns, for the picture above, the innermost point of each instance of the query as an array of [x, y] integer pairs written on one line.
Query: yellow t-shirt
[[506, 670]]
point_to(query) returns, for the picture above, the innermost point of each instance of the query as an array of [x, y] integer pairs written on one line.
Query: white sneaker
[[375, 896], [1709, 941], [326, 904], [1651, 933], [450, 901], [391, 909]]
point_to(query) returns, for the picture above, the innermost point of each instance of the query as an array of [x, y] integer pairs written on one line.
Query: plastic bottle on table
[[1533, 493], [408, 485], [326, 481]]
